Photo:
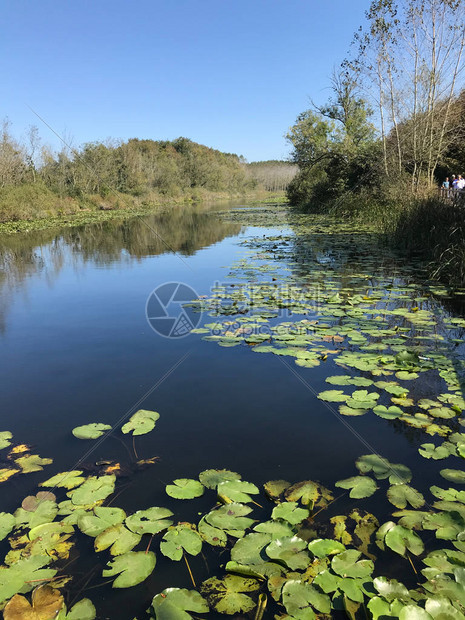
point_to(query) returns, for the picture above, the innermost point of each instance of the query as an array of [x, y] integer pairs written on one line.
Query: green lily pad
[[402, 494], [249, 560], [212, 535], [333, 396], [351, 411], [404, 375], [396, 390], [132, 568], [400, 539], [298, 595], [91, 431], [290, 551], [381, 609], [180, 538], [327, 581], [441, 608], [45, 512], [276, 529], [430, 451], [361, 486], [248, 550], [347, 564], [236, 491], [372, 462], [82, 610], [448, 525], [150, 521], [449, 495], [118, 538], [391, 589], [442, 412], [348, 380], [7, 523], [399, 474], [427, 403], [100, 519], [290, 512], [365, 396], [5, 437], [211, 478], [141, 423], [176, 603], [22, 576], [388, 413], [184, 488], [93, 490], [65, 479], [453, 475], [32, 462], [322, 547], [227, 596], [231, 518]]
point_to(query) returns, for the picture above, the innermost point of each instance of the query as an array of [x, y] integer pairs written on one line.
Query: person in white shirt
[[461, 182]]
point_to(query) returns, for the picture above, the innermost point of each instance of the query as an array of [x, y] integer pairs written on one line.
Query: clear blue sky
[[231, 74]]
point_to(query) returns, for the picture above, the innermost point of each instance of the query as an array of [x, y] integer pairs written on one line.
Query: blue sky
[[233, 75]]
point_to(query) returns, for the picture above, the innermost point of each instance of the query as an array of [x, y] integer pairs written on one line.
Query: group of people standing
[[454, 182]]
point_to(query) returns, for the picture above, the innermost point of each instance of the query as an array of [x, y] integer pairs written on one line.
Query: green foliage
[[141, 422], [91, 431], [184, 488], [132, 568], [177, 603], [333, 146], [114, 175]]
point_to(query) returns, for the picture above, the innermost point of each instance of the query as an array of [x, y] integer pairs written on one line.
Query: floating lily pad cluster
[[140, 423], [282, 551]]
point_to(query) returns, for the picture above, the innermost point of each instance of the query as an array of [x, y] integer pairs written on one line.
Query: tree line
[[35, 181], [395, 123]]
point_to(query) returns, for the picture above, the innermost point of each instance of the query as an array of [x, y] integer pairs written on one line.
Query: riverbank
[[79, 213], [426, 225]]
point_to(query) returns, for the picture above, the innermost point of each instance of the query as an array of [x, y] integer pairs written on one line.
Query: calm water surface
[[76, 348]]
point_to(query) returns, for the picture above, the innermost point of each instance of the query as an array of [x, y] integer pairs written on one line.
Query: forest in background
[[36, 182], [392, 130]]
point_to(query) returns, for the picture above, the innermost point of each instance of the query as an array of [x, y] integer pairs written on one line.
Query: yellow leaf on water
[[19, 449], [150, 461], [46, 604], [115, 468], [7, 473]]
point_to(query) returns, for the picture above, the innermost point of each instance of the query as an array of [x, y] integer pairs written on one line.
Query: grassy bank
[[424, 225], [34, 207]]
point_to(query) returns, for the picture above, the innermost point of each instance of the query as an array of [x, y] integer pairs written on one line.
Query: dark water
[[76, 348]]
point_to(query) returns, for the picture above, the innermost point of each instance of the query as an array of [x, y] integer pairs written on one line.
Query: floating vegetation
[[288, 556], [285, 549]]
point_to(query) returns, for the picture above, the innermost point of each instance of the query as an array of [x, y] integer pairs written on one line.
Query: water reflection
[[44, 253]]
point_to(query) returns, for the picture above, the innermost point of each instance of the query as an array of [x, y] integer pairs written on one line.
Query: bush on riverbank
[[425, 225], [115, 175]]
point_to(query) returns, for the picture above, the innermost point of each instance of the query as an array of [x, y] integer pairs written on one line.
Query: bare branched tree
[[413, 56]]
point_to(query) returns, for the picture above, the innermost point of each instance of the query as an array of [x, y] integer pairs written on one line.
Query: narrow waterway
[[82, 340]]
